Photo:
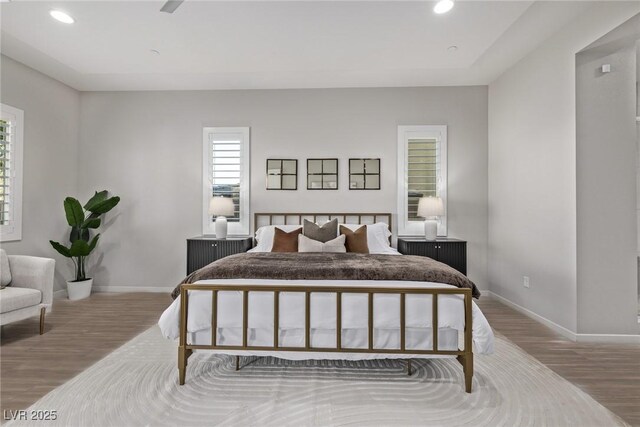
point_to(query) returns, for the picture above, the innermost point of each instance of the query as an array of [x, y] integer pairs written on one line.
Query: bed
[[282, 305]]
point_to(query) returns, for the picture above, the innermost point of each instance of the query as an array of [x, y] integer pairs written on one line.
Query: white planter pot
[[79, 290]]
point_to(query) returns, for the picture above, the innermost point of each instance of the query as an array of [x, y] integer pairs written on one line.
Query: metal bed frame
[[464, 356]]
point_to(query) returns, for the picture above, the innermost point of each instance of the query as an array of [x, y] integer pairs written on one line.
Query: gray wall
[[606, 190], [146, 147], [51, 126], [532, 171]]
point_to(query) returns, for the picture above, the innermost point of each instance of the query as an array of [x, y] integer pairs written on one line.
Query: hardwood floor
[[77, 334], [610, 373], [80, 333]]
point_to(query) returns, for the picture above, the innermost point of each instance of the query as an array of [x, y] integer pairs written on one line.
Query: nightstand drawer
[[452, 252], [202, 250]]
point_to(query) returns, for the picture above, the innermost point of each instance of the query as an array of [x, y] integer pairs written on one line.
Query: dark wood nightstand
[[452, 252], [204, 250]]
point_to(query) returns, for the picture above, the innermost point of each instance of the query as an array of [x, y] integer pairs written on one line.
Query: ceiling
[[273, 44]]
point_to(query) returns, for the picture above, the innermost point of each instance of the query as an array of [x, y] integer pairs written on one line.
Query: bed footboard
[[464, 356]]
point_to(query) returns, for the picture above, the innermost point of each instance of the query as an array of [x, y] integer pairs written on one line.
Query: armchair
[[30, 291]]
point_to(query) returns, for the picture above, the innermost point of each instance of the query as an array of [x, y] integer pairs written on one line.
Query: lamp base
[[430, 229], [221, 227]]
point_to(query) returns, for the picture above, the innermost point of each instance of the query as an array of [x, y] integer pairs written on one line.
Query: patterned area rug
[[136, 385]]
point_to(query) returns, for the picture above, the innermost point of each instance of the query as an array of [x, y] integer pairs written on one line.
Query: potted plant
[[82, 221]]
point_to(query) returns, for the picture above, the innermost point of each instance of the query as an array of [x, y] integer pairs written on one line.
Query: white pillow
[[306, 244], [377, 237], [264, 236]]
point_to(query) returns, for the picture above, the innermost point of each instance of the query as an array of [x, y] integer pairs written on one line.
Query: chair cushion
[[13, 298], [5, 272]]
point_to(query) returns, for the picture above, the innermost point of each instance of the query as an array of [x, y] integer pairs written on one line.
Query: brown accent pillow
[[356, 240], [285, 242], [328, 231]]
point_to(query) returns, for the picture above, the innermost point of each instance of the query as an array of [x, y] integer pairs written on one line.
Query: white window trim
[[13, 231], [439, 132], [241, 228]]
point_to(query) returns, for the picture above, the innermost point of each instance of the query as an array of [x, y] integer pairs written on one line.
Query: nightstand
[[204, 250], [452, 252]]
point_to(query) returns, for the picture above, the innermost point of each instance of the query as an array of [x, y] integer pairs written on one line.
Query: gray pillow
[[5, 273], [323, 234]]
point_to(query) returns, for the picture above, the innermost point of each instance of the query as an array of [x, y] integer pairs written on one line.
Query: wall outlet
[[525, 282]]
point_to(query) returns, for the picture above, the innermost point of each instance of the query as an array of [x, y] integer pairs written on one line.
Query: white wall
[[51, 126], [146, 147], [606, 190], [532, 170]]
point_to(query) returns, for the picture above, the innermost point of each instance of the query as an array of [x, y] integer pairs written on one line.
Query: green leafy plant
[[82, 220]]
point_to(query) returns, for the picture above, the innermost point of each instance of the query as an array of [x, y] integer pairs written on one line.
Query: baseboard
[[609, 338], [155, 289], [62, 293], [548, 323], [586, 338]]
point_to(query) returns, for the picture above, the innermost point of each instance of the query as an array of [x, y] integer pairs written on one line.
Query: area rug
[[136, 385]]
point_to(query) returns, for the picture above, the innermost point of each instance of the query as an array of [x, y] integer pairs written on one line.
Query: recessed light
[[452, 48], [443, 6], [61, 16], [155, 52]]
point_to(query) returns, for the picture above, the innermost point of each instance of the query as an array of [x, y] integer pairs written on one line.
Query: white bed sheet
[[416, 338], [323, 318]]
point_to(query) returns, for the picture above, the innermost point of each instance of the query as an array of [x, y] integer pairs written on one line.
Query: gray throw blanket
[[330, 266]]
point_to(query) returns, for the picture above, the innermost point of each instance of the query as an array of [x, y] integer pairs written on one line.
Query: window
[[422, 172], [226, 173], [11, 125]]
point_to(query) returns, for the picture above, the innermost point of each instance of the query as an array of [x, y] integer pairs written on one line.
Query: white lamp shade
[[430, 206], [221, 206]]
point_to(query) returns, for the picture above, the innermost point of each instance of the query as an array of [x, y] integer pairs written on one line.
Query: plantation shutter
[[6, 171], [423, 170], [227, 168]]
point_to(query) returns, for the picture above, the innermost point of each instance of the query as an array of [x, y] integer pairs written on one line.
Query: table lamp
[[221, 208], [430, 208]]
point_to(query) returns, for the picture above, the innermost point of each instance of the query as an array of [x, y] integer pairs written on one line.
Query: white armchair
[[30, 289]]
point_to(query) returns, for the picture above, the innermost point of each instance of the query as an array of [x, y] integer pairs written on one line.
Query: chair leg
[[237, 363], [43, 310], [408, 366]]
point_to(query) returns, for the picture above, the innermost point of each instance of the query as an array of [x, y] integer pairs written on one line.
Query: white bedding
[[323, 319], [416, 338]]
